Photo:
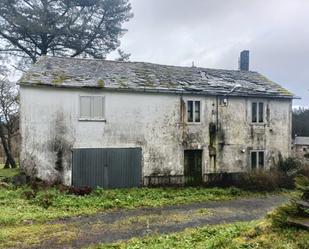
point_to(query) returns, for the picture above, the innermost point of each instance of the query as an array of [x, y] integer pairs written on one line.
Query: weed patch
[[253, 235], [24, 205], [17, 236]]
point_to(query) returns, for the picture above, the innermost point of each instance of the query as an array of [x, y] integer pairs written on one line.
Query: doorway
[[193, 167]]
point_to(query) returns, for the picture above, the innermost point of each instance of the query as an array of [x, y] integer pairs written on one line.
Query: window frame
[[95, 119], [258, 103], [258, 159], [193, 111]]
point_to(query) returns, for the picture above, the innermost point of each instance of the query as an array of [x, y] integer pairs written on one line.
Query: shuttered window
[[85, 107], [92, 108]]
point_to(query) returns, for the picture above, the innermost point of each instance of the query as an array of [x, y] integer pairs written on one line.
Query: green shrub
[[306, 155], [289, 165], [44, 199], [281, 215], [282, 176], [264, 180], [304, 171]]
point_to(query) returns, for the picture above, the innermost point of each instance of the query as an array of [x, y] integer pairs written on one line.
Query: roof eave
[[170, 91]]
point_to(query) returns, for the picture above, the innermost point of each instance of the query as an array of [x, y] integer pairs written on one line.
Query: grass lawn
[[241, 235], [7, 172], [233, 236], [18, 206]]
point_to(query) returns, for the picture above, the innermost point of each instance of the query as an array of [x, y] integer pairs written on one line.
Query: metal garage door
[[107, 168]]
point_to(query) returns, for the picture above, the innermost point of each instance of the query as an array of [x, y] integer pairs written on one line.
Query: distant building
[[301, 146]]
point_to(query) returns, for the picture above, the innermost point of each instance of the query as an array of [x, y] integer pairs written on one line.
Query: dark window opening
[[261, 159], [261, 112], [253, 160], [190, 111], [194, 111], [257, 159], [197, 111], [254, 112], [257, 112]]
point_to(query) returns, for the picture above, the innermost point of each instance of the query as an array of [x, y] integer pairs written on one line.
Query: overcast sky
[[213, 32]]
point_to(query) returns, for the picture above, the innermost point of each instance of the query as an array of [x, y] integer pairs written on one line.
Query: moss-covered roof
[[148, 77]]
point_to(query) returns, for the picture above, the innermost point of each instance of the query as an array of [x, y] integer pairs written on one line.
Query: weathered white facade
[[79, 118], [155, 122]]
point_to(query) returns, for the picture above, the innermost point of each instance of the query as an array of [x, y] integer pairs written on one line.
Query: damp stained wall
[[51, 129]]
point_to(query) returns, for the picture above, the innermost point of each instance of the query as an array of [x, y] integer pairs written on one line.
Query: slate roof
[[148, 77], [301, 141]]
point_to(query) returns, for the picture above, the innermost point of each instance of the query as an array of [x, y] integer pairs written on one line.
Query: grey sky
[[213, 32]]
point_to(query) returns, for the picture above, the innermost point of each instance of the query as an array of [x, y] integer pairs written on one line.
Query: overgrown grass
[[234, 236], [4, 173], [18, 207], [27, 236]]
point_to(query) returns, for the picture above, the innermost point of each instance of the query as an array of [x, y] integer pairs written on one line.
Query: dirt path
[[125, 224]]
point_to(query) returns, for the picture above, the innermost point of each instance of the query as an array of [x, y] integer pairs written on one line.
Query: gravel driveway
[[125, 224]]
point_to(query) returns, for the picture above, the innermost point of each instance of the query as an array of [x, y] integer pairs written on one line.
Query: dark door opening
[[193, 167]]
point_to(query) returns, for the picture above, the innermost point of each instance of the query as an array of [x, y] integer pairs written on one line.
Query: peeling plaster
[[154, 122]]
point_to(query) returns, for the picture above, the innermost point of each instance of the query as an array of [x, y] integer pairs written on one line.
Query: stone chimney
[[244, 61]]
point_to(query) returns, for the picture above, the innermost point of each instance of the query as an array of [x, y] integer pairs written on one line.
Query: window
[[257, 159], [92, 108], [194, 111], [257, 112]]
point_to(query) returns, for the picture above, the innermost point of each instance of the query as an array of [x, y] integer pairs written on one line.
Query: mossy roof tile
[[141, 76]]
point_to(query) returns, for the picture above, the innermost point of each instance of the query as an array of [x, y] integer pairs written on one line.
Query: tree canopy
[[32, 28], [301, 122]]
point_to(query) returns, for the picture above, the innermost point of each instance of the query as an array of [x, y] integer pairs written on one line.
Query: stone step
[[303, 204], [301, 222]]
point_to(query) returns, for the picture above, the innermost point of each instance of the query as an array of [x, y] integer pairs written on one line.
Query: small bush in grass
[[306, 155], [29, 194], [71, 190], [81, 191], [304, 171], [295, 209], [44, 199], [280, 216], [289, 165]]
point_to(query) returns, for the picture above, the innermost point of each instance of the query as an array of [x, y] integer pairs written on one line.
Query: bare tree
[[9, 116]]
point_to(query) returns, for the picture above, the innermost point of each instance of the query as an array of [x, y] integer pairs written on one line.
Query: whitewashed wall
[[50, 119]]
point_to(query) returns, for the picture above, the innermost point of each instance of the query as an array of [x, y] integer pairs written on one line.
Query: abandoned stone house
[[116, 124]]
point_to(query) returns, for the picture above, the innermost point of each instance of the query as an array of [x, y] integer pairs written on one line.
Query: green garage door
[[107, 168]]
